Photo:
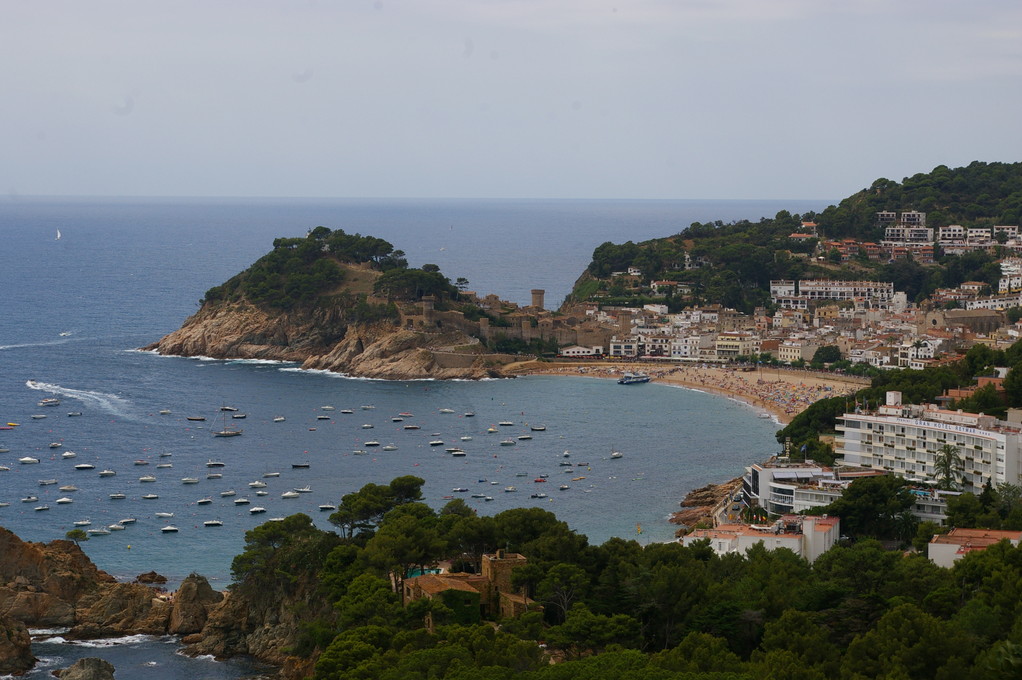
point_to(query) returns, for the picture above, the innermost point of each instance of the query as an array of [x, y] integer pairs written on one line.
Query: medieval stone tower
[[537, 297]]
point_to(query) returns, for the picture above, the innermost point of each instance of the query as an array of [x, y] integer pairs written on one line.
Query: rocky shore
[[700, 503], [322, 340], [55, 585]]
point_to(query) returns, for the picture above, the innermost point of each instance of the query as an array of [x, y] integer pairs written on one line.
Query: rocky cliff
[[56, 585], [322, 339]]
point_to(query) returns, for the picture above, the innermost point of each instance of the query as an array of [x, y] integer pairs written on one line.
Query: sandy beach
[[782, 392]]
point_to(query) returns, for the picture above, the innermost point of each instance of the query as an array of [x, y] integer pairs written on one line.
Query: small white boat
[[228, 408], [4, 504], [303, 489], [436, 442], [74, 414], [538, 428], [507, 442], [169, 529], [117, 496], [82, 523], [166, 455], [563, 487], [164, 411], [466, 438], [68, 454], [299, 466], [279, 419], [257, 510], [524, 437], [164, 466], [510, 489], [322, 417], [30, 499], [47, 482], [85, 466], [189, 480], [164, 515], [28, 460], [257, 484], [368, 426], [491, 430], [212, 523], [97, 532], [411, 427], [67, 488], [214, 475], [214, 463], [505, 423], [228, 493], [141, 461], [262, 492], [241, 501], [64, 500], [116, 527], [127, 520], [49, 401], [371, 443], [107, 473], [204, 501], [458, 453], [446, 410], [4, 468], [40, 508], [55, 445], [150, 496], [390, 447], [347, 411], [147, 479], [367, 407], [326, 408], [325, 507], [616, 454], [290, 494], [396, 419], [271, 474]]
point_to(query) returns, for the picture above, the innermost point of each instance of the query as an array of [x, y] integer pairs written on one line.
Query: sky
[[617, 99]]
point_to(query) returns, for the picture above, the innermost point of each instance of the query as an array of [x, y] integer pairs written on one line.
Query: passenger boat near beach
[[633, 378]]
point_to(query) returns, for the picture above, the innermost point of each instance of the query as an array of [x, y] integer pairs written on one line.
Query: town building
[[946, 549], [808, 537], [904, 439]]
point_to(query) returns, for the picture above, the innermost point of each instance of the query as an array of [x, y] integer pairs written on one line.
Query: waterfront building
[[904, 439], [771, 485], [944, 550], [802, 294], [808, 537]]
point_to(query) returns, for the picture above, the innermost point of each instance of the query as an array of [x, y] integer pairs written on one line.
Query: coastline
[[783, 393]]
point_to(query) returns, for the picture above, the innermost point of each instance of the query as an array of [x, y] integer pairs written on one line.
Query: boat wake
[[111, 403], [47, 343]]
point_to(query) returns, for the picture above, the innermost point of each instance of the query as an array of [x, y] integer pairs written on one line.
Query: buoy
[[129, 547]]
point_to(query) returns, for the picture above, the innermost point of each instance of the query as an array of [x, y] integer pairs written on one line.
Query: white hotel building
[[904, 439]]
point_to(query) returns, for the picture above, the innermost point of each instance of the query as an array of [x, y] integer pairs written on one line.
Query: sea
[[86, 282]]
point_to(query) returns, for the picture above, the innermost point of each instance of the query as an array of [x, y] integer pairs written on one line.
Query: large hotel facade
[[904, 439]]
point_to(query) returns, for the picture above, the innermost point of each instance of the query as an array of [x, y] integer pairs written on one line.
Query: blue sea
[[125, 272]]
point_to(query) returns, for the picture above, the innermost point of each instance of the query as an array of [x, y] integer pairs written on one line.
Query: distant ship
[[633, 378]]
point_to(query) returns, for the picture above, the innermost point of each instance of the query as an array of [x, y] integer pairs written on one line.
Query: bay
[[124, 272]]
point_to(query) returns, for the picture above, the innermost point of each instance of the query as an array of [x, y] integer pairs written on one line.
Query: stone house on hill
[[473, 597]]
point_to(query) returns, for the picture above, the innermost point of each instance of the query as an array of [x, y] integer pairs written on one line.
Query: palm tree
[[948, 465]]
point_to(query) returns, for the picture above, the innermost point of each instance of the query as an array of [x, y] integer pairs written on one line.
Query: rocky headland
[[55, 585]]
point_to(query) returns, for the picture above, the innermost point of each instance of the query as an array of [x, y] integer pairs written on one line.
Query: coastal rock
[[700, 503], [15, 647], [151, 577], [192, 604], [88, 668], [121, 609], [322, 339]]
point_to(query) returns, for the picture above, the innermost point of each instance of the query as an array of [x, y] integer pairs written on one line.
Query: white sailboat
[[227, 430], [58, 235]]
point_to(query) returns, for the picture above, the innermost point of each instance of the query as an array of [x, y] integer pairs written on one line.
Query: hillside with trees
[[732, 264], [621, 609]]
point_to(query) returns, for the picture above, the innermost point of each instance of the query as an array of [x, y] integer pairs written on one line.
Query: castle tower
[[537, 297], [497, 569], [427, 305]]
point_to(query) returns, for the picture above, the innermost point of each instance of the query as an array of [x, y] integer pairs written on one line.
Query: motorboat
[[390, 447], [85, 466], [164, 515], [279, 419], [322, 417], [458, 453], [491, 429], [299, 466], [169, 529], [74, 414], [107, 473], [64, 500], [411, 427], [446, 410], [141, 461], [303, 489], [290, 494], [68, 454], [459, 489], [346, 411], [257, 510], [28, 460], [372, 442], [367, 407], [97, 532], [55, 445], [214, 475], [616, 454], [524, 437], [196, 419], [47, 482], [82, 522], [510, 489], [150, 496], [271, 474], [228, 493], [262, 492], [214, 463], [326, 408], [49, 401], [30, 499], [68, 488], [212, 523], [368, 426], [327, 507], [257, 484], [164, 411], [630, 378], [189, 480], [166, 454], [436, 442], [204, 501], [239, 416], [40, 508], [228, 408], [466, 438], [164, 466], [241, 501], [507, 442], [147, 479], [127, 520], [538, 495], [117, 496], [505, 423], [116, 527], [538, 428]]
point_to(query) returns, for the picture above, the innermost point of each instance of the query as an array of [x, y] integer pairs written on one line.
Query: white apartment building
[[687, 347], [952, 233], [904, 439], [908, 234], [733, 344], [800, 294], [794, 349]]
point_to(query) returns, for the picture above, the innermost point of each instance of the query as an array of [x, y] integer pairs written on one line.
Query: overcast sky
[[502, 98]]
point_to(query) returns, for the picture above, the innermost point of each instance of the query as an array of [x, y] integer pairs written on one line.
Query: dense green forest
[[732, 264], [623, 610], [303, 272]]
